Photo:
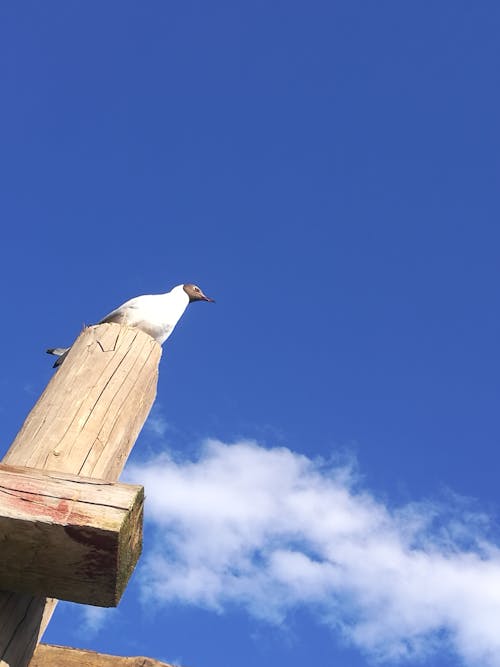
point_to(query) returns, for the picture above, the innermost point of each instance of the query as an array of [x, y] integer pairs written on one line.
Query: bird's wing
[[137, 322], [137, 313], [118, 316], [124, 313]]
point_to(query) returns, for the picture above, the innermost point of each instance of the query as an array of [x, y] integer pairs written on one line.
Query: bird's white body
[[156, 314]]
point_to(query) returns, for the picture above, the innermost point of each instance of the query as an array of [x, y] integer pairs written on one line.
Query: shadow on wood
[[23, 619]]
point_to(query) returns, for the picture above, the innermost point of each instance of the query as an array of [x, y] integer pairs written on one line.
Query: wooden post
[[85, 423]]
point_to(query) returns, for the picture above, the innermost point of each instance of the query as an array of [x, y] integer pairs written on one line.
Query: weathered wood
[[47, 655], [73, 538], [89, 416], [85, 423]]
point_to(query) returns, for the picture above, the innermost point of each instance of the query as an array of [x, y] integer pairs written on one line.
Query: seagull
[[155, 314]]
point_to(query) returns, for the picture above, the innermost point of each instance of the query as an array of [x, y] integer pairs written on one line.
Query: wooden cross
[[68, 530]]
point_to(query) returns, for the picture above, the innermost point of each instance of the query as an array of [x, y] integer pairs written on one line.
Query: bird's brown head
[[196, 294]]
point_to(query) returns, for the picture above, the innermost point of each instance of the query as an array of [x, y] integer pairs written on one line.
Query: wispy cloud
[[91, 620], [156, 423], [271, 530]]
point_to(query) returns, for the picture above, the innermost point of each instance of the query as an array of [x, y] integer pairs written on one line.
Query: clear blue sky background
[[328, 171]]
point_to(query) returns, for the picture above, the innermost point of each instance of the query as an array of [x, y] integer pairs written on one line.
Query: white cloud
[[94, 619], [271, 530]]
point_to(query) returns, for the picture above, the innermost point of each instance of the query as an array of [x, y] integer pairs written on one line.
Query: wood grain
[[85, 423], [47, 655], [68, 537]]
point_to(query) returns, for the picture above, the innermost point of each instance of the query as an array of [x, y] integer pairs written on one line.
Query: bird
[[155, 314]]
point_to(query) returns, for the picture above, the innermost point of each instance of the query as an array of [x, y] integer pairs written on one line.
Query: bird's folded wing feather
[[132, 314], [124, 313]]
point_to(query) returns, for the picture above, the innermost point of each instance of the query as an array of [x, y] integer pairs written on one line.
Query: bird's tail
[[59, 352]]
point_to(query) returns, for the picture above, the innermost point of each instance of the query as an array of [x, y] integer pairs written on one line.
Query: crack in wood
[[16, 494]]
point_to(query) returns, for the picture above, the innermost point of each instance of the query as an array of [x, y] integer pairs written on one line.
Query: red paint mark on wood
[[41, 507]]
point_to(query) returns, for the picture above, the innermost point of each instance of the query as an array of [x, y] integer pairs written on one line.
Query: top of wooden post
[[93, 408]]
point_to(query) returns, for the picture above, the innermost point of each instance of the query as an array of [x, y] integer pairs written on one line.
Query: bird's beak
[[207, 298]]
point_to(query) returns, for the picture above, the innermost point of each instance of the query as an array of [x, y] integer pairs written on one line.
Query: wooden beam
[[68, 537], [85, 423], [47, 655]]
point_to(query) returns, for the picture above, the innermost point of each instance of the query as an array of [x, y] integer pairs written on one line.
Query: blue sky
[[328, 172]]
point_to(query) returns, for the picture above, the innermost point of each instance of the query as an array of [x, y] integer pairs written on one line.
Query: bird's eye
[[197, 289]]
